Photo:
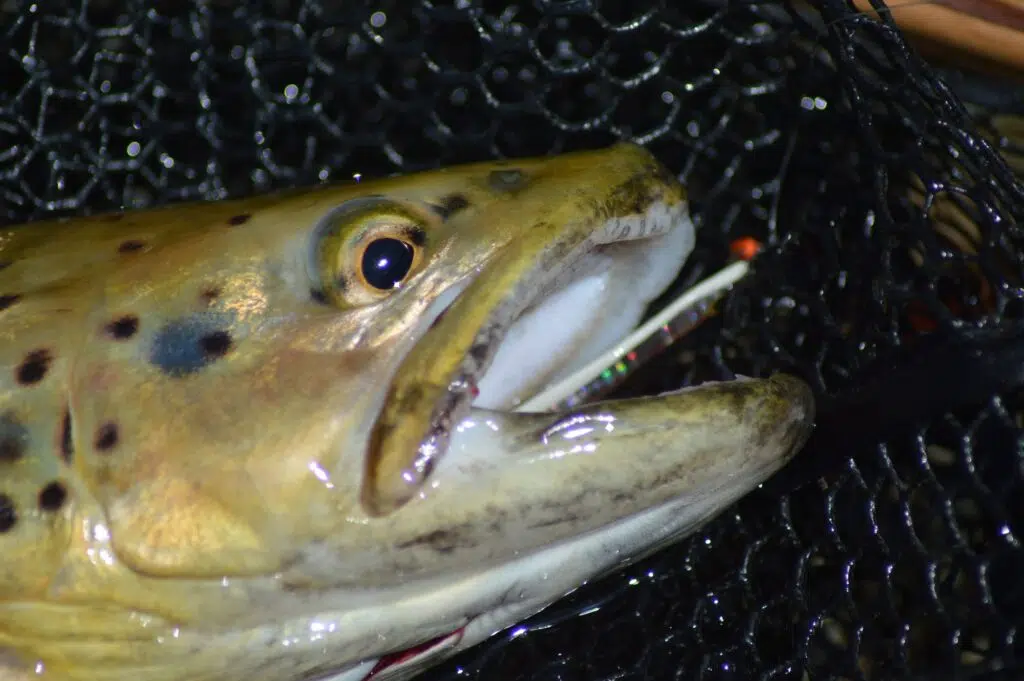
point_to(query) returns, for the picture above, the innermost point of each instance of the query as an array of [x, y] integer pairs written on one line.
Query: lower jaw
[[517, 582]]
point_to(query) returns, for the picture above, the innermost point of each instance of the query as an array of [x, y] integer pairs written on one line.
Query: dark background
[[891, 548]]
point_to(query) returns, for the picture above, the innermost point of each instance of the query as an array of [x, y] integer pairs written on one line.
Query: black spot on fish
[[8, 513], [416, 236], [123, 327], [33, 369], [318, 296], [107, 436], [52, 497], [4, 264], [13, 438], [621, 498], [508, 180], [8, 299], [131, 246], [67, 447], [184, 346], [240, 219], [215, 344], [450, 205], [210, 294]]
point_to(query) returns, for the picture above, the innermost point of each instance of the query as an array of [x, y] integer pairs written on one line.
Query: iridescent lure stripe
[[648, 349], [609, 371]]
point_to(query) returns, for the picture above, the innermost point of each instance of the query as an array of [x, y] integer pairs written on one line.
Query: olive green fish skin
[[206, 411]]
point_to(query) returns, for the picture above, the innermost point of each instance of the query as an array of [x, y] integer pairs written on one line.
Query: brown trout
[[276, 439]]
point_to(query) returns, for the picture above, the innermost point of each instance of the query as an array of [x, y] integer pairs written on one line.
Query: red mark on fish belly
[[409, 654]]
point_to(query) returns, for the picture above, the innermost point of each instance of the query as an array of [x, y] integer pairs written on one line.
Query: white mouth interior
[[573, 326]]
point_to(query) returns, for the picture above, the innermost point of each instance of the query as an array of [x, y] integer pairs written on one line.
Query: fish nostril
[[506, 180]]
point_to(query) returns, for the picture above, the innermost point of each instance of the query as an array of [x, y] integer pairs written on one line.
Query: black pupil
[[386, 262]]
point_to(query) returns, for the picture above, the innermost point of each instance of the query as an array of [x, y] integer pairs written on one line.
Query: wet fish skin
[[206, 413]]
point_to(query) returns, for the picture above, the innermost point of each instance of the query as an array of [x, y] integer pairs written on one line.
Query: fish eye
[[366, 249], [387, 262]]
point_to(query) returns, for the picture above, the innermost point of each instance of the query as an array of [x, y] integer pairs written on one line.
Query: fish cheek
[[143, 454], [204, 465], [170, 527]]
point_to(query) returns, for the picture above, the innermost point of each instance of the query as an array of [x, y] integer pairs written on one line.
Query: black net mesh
[[892, 278]]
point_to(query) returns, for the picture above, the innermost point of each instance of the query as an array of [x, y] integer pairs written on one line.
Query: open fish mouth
[[561, 312]]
